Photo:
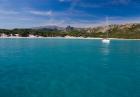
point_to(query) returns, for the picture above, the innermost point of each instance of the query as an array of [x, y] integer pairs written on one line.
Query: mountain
[[115, 28], [52, 27], [128, 31], [131, 30]]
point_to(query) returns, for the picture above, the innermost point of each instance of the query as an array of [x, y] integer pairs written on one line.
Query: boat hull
[[105, 41]]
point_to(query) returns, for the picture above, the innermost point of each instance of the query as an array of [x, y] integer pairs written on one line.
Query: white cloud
[[65, 0], [71, 16], [41, 13], [9, 12]]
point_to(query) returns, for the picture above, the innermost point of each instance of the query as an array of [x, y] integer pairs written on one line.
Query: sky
[[78, 13]]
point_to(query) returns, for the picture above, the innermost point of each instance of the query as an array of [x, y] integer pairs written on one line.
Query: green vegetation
[[125, 31], [129, 31]]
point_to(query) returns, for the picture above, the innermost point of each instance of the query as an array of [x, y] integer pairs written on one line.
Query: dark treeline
[[44, 32], [115, 31], [37, 32]]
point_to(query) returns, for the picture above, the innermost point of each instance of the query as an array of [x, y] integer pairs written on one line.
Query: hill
[[128, 31]]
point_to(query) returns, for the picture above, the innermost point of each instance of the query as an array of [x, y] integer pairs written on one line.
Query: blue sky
[[80, 13]]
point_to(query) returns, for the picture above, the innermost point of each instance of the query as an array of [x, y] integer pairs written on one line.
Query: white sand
[[88, 38]]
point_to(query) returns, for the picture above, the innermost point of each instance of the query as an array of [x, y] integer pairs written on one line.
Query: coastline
[[80, 38], [48, 38]]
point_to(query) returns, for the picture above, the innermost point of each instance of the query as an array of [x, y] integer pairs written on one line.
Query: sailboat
[[106, 40]]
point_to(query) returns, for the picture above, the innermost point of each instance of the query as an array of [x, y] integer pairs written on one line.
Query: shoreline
[[80, 38]]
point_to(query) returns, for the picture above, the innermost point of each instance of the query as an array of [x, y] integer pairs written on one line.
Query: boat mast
[[107, 26]]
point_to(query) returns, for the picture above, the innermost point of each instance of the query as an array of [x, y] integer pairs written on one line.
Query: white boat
[[106, 40]]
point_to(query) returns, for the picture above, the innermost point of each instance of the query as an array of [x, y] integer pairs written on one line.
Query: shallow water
[[69, 68]]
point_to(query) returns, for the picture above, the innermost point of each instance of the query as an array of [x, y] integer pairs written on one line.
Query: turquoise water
[[69, 68]]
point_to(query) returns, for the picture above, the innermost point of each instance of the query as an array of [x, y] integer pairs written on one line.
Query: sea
[[69, 68]]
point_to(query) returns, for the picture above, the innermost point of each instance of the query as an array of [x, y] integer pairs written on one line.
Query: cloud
[[74, 3], [13, 14], [9, 12], [41, 13], [124, 20], [53, 21], [65, 0]]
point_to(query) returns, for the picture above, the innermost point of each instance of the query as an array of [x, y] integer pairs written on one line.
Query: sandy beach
[[80, 38]]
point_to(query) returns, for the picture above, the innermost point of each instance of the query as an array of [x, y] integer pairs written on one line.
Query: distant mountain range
[[115, 31], [93, 29], [50, 27], [115, 27]]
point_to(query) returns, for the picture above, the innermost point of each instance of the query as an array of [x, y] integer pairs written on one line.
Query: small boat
[[106, 40]]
